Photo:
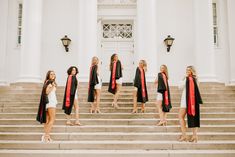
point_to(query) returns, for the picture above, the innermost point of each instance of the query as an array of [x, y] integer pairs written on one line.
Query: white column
[[31, 41], [204, 46], [146, 36], [231, 34], [3, 43], [87, 36]]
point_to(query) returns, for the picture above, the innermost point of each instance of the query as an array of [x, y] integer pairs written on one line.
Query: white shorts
[[159, 96], [50, 105], [99, 85], [183, 100], [135, 89], [119, 81], [76, 95]]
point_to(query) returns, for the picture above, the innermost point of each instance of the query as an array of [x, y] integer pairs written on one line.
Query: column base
[[29, 79], [232, 82], [207, 78], [3, 83]]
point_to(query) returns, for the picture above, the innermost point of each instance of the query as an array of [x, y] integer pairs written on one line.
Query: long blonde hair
[[94, 60], [144, 64], [192, 70], [111, 61], [165, 70]]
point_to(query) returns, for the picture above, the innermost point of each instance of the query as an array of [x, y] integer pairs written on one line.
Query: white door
[[125, 52], [117, 37]]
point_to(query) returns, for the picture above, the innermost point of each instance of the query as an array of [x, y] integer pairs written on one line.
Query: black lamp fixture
[[66, 41], [168, 42]]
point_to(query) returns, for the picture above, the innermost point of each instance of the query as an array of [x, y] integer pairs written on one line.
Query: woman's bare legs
[[135, 108], [97, 95], [159, 107], [182, 113], [76, 107], [116, 95], [50, 121]]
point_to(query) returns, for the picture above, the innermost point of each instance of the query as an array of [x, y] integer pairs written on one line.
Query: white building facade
[[31, 30]]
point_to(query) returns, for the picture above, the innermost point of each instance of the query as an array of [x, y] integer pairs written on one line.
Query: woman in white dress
[[190, 105], [47, 107]]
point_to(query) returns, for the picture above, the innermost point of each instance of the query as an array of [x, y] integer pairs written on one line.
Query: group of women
[[189, 105]]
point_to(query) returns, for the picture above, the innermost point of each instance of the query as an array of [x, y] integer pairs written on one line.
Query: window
[[117, 31], [19, 23], [215, 24]]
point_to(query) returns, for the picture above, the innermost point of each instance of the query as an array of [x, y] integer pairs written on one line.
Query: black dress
[[92, 82], [193, 121], [118, 75], [143, 98], [162, 89], [68, 108]]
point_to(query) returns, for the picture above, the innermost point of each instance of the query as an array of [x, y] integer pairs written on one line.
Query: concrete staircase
[[115, 132]]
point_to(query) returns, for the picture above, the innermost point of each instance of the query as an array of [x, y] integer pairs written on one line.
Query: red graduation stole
[[114, 75], [191, 97], [142, 82], [166, 98], [68, 90]]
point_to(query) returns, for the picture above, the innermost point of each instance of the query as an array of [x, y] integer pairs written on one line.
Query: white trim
[[232, 82], [207, 78], [29, 79]]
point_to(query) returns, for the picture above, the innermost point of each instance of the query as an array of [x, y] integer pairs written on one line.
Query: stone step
[[116, 136], [114, 128], [117, 153], [145, 122], [118, 145], [108, 104], [117, 115], [86, 109]]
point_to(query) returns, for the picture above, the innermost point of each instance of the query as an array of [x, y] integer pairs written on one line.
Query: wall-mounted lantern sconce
[[168, 42], [66, 41]]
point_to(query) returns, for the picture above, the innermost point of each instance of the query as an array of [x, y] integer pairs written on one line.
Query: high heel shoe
[[97, 111], [91, 110], [194, 139], [161, 123], [183, 138], [143, 109], [135, 110]]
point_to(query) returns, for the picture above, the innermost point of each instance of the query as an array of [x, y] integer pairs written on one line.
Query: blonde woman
[[140, 93], [115, 83], [47, 107], [94, 86], [190, 105], [163, 96]]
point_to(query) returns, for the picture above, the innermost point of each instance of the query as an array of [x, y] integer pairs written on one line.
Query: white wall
[[175, 18], [172, 17], [59, 18]]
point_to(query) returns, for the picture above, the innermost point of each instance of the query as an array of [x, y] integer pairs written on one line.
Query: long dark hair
[[69, 71], [48, 77], [111, 61]]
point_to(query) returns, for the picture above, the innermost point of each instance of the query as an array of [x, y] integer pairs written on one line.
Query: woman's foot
[[45, 138], [92, 110], [77, 123], [69, 123], [135, 110], [161, 123], [193, 139], [97, 110], [183, 138]]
